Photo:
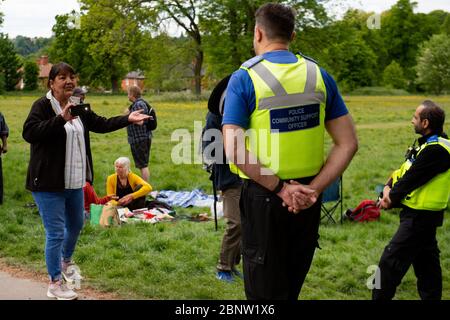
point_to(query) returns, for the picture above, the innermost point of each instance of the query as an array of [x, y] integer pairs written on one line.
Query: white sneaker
[[71, 272], [60, 291]]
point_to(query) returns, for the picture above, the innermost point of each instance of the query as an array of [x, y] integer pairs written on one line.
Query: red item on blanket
[[148, 215]]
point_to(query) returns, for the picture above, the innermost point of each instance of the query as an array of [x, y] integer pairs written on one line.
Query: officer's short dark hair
[[435, 116], [277, 20]]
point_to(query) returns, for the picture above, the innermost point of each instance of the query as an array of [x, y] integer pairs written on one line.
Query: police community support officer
[[421, 187], [288, 102]]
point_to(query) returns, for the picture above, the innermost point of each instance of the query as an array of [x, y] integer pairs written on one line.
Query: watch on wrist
[[279, 186]]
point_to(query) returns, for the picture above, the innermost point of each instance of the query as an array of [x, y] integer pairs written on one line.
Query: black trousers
[[277, 246], [414, 244]]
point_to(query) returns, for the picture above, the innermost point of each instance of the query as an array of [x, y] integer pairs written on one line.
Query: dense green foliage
[[192, 44], [177, 260], [393, 76], [357, 55], [9, 63], [30, 77], [433, 67], [228, 29], [26, 46]]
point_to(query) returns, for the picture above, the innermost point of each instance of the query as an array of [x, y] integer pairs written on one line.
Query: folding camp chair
[[333, 193]]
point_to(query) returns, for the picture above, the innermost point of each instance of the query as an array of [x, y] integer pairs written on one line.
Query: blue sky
[[35, 18]]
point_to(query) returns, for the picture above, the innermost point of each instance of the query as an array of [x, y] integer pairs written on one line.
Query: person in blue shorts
[[278, 106]]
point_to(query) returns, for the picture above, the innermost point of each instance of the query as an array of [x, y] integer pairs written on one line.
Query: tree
[[397, 28], [169, 69], [358, 20], [445, 28], [342, 49], [2, 82], [111, 29], [433, 64], [2, 76], [186, 15], [432, 22], [228, 32], [31, 73], [393, 76], [113, 38], [114, 24], [398, 39], [228, 29], [355, 63], [69, 45], [26, 46], [404, 31], [9, 63]]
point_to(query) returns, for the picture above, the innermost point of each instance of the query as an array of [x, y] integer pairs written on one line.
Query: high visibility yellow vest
[[286, 129], [434, 194]]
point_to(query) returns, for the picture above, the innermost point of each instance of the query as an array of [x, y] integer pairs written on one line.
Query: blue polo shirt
[[240, 101]]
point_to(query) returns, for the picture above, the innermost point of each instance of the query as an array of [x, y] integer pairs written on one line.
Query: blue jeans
[[62, 214]]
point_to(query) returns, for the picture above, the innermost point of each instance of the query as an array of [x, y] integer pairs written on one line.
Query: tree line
[[406, 50], [400, 48]]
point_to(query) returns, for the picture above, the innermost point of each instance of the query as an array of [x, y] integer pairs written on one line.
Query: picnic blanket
[[194, 198], [145, 215]]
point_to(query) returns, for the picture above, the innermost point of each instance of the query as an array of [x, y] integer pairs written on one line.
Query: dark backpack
[[151, 124], [367, 210]]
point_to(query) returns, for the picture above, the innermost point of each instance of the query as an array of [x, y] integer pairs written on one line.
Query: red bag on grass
[[367, 210]]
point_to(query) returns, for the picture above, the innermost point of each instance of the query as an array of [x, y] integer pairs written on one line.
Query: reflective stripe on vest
[[433, 195], [286, 131]]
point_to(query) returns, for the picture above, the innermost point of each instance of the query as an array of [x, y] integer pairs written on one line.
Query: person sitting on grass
[[90, 196], [127, 186]]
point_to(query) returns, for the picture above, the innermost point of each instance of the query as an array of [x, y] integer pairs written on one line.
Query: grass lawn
[[177, 260]]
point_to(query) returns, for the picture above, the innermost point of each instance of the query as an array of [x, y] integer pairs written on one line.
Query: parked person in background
[[4, 133], [421, 187], [129, 188], [229, 184], [140, 137], [80, 93], [60, 164], [286, 102]]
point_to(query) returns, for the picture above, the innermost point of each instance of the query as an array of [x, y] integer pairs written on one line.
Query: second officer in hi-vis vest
[[421, 187], [278, 106]]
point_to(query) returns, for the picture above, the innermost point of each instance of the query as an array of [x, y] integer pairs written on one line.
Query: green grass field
[[177, 260]]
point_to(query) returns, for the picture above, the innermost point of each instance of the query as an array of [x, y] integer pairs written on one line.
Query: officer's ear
[[258, 33], [425, 123]]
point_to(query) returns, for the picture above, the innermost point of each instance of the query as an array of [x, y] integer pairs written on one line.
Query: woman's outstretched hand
[[138, 117]]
